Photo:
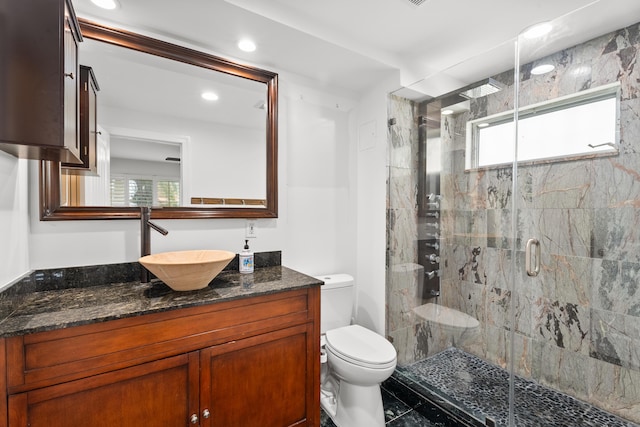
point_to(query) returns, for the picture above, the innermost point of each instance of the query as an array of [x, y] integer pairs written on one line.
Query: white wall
[[314, 228], [14, 224], [319, 218]]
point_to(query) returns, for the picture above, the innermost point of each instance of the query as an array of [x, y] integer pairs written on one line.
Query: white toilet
[[354, 359]]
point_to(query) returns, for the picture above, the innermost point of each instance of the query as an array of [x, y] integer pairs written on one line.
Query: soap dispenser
[[246, 259]]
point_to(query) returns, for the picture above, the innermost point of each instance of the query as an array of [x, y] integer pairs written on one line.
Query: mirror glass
[[178, 129]]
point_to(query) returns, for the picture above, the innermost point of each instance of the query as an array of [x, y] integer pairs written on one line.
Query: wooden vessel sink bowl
[[187, 270]]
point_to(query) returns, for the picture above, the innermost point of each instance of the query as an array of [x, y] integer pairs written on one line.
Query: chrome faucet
[[145, 238]]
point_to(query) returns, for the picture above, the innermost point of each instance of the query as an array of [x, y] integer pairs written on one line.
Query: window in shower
[[580, 124]]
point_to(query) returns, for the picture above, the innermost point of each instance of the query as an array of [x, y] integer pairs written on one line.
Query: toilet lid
[[360, 345]]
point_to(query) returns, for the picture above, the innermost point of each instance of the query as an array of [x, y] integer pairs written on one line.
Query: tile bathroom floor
[[404, 408]]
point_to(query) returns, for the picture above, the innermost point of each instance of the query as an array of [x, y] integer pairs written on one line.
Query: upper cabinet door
[[87, 127], [71, 83], [39, 81]]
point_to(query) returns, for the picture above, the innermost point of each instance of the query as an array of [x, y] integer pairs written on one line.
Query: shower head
[[482, 88]]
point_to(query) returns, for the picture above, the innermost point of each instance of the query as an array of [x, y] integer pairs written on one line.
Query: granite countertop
[[60, 308]]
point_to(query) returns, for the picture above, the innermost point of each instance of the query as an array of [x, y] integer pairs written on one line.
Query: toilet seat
[[360, 346]]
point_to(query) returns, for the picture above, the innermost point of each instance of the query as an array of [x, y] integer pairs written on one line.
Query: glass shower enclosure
[[513, 265]]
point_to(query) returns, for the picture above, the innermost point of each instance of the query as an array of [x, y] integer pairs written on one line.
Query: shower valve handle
[[431, 274]]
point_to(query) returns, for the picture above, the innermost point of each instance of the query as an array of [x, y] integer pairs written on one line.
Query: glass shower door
[[548, 336], [575, 303], [449, 238]]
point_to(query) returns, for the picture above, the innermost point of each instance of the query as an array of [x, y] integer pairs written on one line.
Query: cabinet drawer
[[47, 358]]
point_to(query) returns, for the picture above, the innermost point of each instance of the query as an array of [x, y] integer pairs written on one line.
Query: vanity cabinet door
[[39, 84], [155, 394], [264, 381]]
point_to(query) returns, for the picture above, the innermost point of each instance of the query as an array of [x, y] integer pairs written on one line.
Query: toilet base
[[355, 406]]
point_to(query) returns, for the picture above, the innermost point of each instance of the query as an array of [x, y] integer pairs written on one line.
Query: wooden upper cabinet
[[88, 127], [39, 79]]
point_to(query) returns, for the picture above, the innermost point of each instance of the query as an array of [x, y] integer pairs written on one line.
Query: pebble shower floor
[[481, 390]]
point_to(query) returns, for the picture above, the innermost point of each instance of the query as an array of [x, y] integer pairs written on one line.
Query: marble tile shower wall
[[403, 272], [577, 325]]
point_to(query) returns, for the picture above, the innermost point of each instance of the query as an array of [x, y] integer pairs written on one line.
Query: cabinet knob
[[194, 419], [70, 75], [206, 414]]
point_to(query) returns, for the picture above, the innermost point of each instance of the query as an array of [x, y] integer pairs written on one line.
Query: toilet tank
[[336, 301]]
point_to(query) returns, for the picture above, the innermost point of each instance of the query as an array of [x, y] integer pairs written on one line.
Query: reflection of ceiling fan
[[611, 144], [154, 147]]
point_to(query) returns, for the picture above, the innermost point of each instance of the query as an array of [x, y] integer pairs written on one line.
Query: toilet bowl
[[360, 360], [355, 361], [457, 325]]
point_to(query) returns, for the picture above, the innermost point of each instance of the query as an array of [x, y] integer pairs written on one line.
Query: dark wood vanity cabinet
[[248, 362], [151, 394], [39, 84], [88, 126]]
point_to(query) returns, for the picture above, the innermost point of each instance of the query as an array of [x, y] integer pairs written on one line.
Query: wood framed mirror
[[53, 205]]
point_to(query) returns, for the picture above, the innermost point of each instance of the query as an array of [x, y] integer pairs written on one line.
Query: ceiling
[[351, 45]]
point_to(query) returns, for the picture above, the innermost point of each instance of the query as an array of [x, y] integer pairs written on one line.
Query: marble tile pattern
[[577, 324], [404, 275], [50, 309], [480, 389]]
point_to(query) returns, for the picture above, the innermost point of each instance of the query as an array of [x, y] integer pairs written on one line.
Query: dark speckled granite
[[96, 275], [47, 306]]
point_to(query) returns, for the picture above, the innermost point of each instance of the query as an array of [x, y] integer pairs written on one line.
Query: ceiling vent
[[417, 2]]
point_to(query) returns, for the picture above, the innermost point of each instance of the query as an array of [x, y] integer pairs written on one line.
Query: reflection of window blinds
[[146, 191], [168, 192], [140, 192], [118, 192]]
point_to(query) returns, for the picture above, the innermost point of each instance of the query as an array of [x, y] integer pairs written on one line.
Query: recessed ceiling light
[[542, 69], [537, 30], [209, 96], [246, 45], [106, 4], [446, 112]]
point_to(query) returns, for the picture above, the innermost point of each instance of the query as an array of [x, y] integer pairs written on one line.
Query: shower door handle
[[535, 270]]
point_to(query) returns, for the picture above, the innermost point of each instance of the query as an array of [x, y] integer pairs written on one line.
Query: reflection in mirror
[[176, 129], [145, 172]]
